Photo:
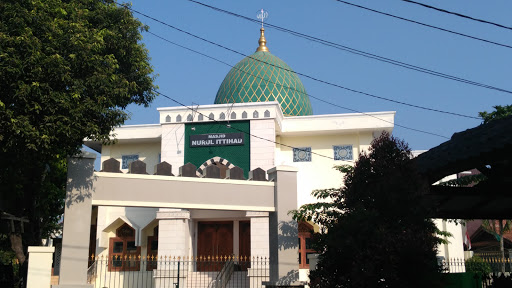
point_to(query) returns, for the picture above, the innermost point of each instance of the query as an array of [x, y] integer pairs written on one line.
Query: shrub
[[478, 266]]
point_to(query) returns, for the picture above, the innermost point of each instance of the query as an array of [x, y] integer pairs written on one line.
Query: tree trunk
[[17, 247], [502, 248]]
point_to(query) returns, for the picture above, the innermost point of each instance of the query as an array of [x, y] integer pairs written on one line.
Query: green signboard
[[204, 141]]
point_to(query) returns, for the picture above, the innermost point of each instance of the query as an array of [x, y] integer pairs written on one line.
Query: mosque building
[[219, 179]]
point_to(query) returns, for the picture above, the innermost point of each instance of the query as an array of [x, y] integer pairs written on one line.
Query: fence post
[[40, 260], [178, 284]]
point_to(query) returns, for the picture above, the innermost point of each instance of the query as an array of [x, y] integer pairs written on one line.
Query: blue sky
[[194, 79]]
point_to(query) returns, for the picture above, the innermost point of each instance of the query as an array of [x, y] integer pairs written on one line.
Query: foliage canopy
[[376, 233], [498, 113], [68, 70]]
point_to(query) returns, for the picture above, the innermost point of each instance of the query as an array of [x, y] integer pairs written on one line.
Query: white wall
[[141, 217], [454, 250], [319, 173], [173, 147], [147, 151], [262, 151]]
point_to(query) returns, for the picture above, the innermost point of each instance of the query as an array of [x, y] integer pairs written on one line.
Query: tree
[[500, 112], [376, 232], [68, 70]]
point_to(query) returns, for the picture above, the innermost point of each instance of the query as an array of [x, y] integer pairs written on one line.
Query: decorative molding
[[164, 215], [117, 203], [253, 214], [302, 154], [343, 152], [127, 159], [211, 161]]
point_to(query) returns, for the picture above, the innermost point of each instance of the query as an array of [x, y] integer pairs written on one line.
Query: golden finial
[[263, 42], [262, 15]]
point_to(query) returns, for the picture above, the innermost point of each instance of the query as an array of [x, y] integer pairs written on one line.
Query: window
[[123, 254], [343, 152], [127, 159], [302, 154], [305, 244], [152, 256]]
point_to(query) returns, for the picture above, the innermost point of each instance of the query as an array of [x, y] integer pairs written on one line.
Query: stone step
[[238, 279]]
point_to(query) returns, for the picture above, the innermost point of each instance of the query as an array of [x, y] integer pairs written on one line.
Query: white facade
[[272, 139]]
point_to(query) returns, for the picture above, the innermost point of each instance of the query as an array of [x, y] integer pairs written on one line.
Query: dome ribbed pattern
[[253, 80]]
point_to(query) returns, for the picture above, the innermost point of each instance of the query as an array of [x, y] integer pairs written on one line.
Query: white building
[[262, 123]]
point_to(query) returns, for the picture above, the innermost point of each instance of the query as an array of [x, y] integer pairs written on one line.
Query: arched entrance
[[222, 163]]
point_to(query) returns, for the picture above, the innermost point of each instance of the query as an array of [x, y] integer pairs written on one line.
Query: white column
[[39, 266], [259, 248], [173, 244], [283, 244], [259, 233], [77, 222]]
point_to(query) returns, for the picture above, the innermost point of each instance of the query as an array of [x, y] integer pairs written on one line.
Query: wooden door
[[215, 240]]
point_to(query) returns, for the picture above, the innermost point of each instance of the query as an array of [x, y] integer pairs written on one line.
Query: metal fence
[[494, 279], [458, 265], [178, 272]]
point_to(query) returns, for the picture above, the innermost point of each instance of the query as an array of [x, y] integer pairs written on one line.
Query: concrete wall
[[147, 151], [77, 222], [262, 151], [320, 168], [39, 266], [455, 248], [114, 189], [173, 147], [139, 217], [283, 246]]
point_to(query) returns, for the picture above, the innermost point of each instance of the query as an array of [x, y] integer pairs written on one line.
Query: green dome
[[262, 77]]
